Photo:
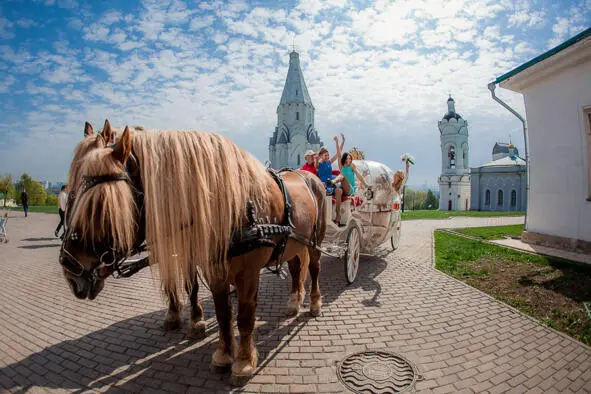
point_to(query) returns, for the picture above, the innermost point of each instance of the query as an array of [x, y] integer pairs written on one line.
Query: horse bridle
[[109, 260]]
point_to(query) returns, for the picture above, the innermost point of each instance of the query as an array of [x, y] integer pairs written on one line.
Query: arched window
[[513, 198], [487, 198], [452, 156], [500, 198]]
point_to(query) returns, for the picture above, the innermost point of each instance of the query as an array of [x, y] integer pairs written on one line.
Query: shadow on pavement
[[136, 354]]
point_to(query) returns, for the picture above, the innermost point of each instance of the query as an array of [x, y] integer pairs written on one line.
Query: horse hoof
[[220, 369], [170, 325], [240, 380], [315, 312], [196, 330], [292, 311]]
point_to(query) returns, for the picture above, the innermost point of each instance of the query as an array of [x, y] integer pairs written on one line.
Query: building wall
[[451, 192], [494, 180], [557, 142]]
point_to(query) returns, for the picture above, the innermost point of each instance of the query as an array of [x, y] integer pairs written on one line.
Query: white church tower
[[454, 182], [295, 132]]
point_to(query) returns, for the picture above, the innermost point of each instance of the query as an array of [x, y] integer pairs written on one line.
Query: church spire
[[295, 90]]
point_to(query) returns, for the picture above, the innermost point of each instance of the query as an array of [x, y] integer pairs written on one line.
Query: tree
[[431, 202], [6, 187], [51, 200], [34, 189]]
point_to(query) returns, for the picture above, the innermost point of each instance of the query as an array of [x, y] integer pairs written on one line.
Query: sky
[[378, 71]]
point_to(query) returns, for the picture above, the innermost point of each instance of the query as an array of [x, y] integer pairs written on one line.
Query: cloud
[[379, 72], [6, 29]]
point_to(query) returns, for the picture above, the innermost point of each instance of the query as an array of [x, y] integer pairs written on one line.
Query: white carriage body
[[377, 218]]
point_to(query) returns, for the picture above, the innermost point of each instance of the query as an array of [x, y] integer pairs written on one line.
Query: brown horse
[[190, 192], [108, 136]]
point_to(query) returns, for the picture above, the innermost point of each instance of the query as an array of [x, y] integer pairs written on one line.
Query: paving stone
[[460, 339]]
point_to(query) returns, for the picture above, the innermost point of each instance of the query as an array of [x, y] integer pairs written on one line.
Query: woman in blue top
[[347, 180]]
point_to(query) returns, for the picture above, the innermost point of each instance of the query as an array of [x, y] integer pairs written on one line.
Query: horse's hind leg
[[315, 297], [298, 268], [223, 357], [247, 286], [196, 329], [172, 321]]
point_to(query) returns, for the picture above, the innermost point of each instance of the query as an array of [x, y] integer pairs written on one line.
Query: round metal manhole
[[377, 372]]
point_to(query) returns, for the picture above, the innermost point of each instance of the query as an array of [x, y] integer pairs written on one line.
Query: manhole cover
[[377, 372]]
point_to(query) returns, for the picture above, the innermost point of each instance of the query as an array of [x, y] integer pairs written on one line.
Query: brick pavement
[[459, 338]]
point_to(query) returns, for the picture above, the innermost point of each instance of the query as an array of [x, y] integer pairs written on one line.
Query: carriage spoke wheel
[[395, 239], [352, 254]]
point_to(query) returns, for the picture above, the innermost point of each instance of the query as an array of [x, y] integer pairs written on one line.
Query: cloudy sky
[[378, 71]]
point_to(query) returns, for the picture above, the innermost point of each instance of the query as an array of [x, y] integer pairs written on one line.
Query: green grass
[[550, 290], [495, 232], [436, 214], [453, 254], [38, 208]]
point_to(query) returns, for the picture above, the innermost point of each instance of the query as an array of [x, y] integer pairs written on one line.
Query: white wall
[[558, 159]]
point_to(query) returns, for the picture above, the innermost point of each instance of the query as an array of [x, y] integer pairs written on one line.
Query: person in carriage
[[345, 182], [324, 165], [311, 164]]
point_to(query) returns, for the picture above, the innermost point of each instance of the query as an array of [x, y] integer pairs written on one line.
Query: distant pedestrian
[[25, 202], [62, 201]]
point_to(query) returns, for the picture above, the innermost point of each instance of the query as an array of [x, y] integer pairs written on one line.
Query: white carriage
[[370, 218]]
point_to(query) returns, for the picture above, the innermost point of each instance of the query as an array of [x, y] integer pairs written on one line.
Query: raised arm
[[336, 155]]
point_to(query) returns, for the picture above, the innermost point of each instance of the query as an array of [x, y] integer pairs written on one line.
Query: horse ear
[[122, 150], [107, 133], [88, 131]]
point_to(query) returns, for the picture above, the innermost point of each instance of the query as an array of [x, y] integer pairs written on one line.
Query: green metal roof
[[543, 56]]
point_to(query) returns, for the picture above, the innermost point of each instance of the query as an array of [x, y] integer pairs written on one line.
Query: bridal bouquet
[[407, 158]]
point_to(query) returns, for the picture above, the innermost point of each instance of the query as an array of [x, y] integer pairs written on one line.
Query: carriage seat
[[355, 200]]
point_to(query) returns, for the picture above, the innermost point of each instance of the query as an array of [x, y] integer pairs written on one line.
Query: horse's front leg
[[247, 286], [196, 329], [223, 357], [172, 321], [298, 268]]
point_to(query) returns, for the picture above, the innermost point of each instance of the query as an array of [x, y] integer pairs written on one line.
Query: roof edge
[[579, 37]]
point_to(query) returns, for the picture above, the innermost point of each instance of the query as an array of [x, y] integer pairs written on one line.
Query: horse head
[[102, 212]]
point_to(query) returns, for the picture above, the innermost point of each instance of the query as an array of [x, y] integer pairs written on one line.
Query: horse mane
[[107, 213], [196, 189]]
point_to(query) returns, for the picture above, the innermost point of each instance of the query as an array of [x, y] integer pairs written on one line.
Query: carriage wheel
[[395, 239], [352, 254]]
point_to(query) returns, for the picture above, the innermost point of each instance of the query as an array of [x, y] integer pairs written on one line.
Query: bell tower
[[454, 181]]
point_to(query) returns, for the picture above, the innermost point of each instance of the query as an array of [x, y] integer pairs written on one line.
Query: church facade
[[500, 185], [295, 132], [454, 181]]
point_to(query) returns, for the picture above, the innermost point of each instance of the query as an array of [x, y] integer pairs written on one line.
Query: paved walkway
[[545, 250], [459, 338]]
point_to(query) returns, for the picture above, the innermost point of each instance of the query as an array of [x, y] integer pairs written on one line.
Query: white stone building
[[454, 181], [295, 132], [557, 90], [499, 185]]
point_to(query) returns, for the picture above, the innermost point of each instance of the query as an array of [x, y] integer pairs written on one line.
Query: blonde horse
[[108, 136], [192, 193]]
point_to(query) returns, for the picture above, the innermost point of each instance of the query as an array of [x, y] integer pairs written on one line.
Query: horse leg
[[223, 357], [172, 321], [196, 329], [298, 267], [315, 297], [247, 287]]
